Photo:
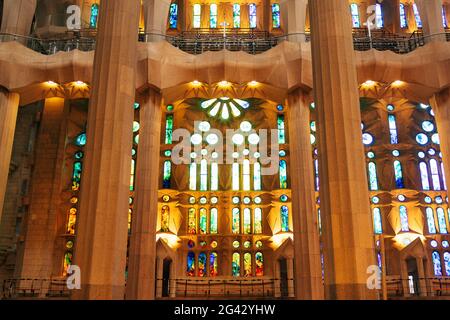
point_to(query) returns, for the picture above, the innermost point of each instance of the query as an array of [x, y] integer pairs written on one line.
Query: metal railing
[[433, 287], [34, 289]]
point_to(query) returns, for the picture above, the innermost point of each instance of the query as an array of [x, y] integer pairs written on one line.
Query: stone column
[[142, 254], [441, 107], [159, 277], [294, 18], [431, 15], [101, 247], [422, 282], [173, 280], [391, 15], [347, 228], [290, 275], [156, 13], [308, 270], [276, 277], [404, 278], [18, 16], [9, 106]]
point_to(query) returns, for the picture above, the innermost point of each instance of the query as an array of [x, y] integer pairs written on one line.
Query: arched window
[[441, 221], [447, 263], [132, 174], [169, 129], [417, 16], [437, 267], [284, 219], [398, 175], [203, 175], [247, 221], [246, 175], [236, 265], [213, 265], [236, 221], [403, 20], [213, 15], [193, 176], [257, 177], [197, 15], [443, 176], [283, 174], [355, 15], [276, 19], [235, 178], [202, 264], [192, 221], [165, 217], [214, 176], [167, 174], [236, 15], [76, 175], [68, 256], [72, 221], [190, 270], [435, 175], [94, 15], [247, 264], [203, 221], [213, 221], [281, 129], [316, 174], [252, 15], [259, 261], [393, 129], [373, 179], [257, 229], [430, 221], [173, 16], [424, 176], [379, 16], [377, 222], [404, 219], [444, 18]]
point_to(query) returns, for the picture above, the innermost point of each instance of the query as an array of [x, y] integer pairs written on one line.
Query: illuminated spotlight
[[51, 83], [80, 83], [369, 83], [253, 83], [224, 84], [397, 83], [196, 83]]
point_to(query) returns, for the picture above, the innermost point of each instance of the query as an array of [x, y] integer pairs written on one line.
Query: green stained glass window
[[247, 264], [258, 221], [76, 175], [378, 228], [81, 140], [236, 265], [203, 221], [246, 175], [169, 129], [247, 221], [281, 129], [165, 216], [276, 19], [136, 126], [167, 174], [236, 15], [284, 219], [398, 175], [67, 262], [236, 219], [213, 16], [283, 174], [192, 221], [213, 221]]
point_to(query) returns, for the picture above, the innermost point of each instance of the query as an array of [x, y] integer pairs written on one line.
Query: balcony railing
[[34, 289]]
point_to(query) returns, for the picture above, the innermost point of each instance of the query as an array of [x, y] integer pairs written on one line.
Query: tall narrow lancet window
[[437, 267], [424, 176], [441, 221], [443, 176], [94, 15], [197, 15], [247, 221], [252, 15], [283, 174], [213, 265], [203, 221], [373, 178], [444, 18], [204, 175], [435, 178], [257, 177], [169, 129], [213, 13], [192, 221], [236, 221], [276, 18], [355, 15], [167, 175], [398, 173], [214, 176], [393, 129], [213, 221], [430, 221], [193, 176], [447, 263], [379, 16], [236, 265], [404, 221], [236, 15], [235, 176], [165, 217], [417, 16], [246, 175], [173, 16], [281, 129], [377, 223], [247, 264], [257, 224], [284, 219], [190, 268], [259, 261], [202, 264], [403, 19]]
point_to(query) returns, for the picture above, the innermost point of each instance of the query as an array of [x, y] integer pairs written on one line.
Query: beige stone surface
[[18, 16]]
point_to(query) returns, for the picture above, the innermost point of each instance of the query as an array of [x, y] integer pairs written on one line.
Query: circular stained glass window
[[421, 155], [81, 140], [439, 200], [214, 200], [428, 126], [445, 244], [367, 139], [136, 126], [133, 152], [246, 152], [170, 108], [257, 155], [196, 139], [431, 152], [246, 126], [401, 198], [280, 108], [136, 106], [313, 139], [168, 153], [257, 200], [79, 155], [193, 155], [375, 200], [212, 139], [431, 112], [204, 152], [247, 244], [247, 200], [191, 200], [69, 244], [371, 155], [191, 244], [236, 244], [236, 200], [215, 155], [424, 106], [235, 155], [74, 200], [136, 139], [214, 244], [313, 126], [203, 244], [395, 153], [166, 198], [258, 244], [428, 200], [130, 200], [203, 200], [422, 139], [284, 198], [282, 153], [238, 139], [390, 108], [253, 139], [435, 139], [204, 126], [434, 243]]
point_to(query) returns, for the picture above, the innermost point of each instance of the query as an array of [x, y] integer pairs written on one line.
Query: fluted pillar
[[441, 107], [308, 270], [344, 197], [156, 13], [101, 246], [142, 255], [294, 19], [9, 106], [431, 16], [18, 16]]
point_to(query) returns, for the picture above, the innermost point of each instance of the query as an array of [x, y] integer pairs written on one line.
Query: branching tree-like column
[[344, 198], [103, 227], [142, 256], [308, 270], [431, 16]]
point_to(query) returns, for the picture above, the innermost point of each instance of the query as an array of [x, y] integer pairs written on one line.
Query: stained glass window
[[435, 175], [204, 175], [404, 219], [203, 221], [443, 176], [94, 15], [436, 257], [81, 140], [430, 221], [213, 15], [403, 20], [276, 21], [68, 256], [252, 15], [393, 129], [236, 265], [197, 15], [379, 16], [76, 175], [173, 16], [169, 129], [236, 219], [213, 221], [424, 176], [202, 264], [377, 222], [236, 15], [192, 221], [167, 174], [355, 15], [281, 130], [259, 261], [447, 263], [258, 221], [373, 179], [190, 270], [247, 264], [283, 174], [444, 18], [441, 221], [214, 176], [246, 175], [398, 175], [193, 176], [316, 174], [213, 265], [165, 216], [284, 219], [132, 174], [257, 176], [72, 221], [236, 183], [247, 221], [417, 16]]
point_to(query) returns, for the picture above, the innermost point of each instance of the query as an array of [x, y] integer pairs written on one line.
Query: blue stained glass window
[[437, 267], [393, 129], [167, 174], [417, 16], [94, 15], [173, 16], [213, 15], [355, 15], [316, 174], [404, 219], [236, 15], [252, 15], [444, 18], [283, 174], [213, 264], [373, 179], [441, 221], [403, 20], [81, 140], [276, 19], [284, 219], [398, 175], [236, 265], [424, 176], [430, 221], [281, 129], [447, 263], [379, 16], [202, 264], [435, 175], [76, 175], [377, 222], [190, 271]]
